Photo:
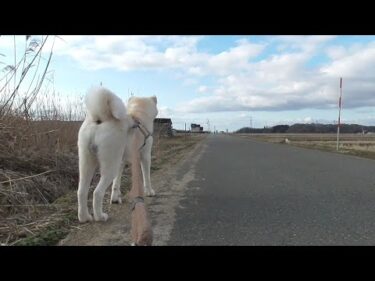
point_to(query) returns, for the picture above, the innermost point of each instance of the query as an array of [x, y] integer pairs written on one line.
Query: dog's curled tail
[[103, 105]]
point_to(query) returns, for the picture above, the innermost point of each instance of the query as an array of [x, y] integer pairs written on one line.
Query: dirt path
[[170, 184]]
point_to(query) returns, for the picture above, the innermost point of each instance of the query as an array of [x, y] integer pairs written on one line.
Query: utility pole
[[338, 122]]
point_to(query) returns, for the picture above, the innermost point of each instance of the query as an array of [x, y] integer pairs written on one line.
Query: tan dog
[[105, 140]]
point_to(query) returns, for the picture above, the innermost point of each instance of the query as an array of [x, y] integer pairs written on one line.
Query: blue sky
[[223, 79]]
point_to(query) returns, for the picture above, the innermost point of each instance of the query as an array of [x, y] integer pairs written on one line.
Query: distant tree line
[[309, 128]]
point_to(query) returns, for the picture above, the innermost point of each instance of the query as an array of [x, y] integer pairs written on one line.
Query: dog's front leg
[[146, 166]]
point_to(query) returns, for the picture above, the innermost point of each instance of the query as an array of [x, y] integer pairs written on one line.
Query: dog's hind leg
[[105, 181], [87, 166], [109, 166], [116, 192], [146, 166]]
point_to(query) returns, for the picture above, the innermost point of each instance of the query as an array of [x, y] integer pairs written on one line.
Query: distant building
[[163, 127], [196, 128]]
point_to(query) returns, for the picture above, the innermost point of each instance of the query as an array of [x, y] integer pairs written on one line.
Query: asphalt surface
[[255, 193]]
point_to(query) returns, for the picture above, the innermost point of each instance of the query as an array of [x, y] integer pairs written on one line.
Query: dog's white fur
[[105, 140]]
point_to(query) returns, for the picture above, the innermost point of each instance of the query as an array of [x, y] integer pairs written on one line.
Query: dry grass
[[39, 171], [38, 194], [38, 135], [353, 144], [38, 150], [38, 164]]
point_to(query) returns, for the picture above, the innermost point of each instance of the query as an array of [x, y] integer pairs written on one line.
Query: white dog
[[105, 139]]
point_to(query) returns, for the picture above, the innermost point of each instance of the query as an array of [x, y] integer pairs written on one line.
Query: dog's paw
[[116, 200], [84, 218], [150, 192], [102, 217], [116, 197]]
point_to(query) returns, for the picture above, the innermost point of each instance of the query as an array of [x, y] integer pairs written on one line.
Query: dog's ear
[[154, 98]]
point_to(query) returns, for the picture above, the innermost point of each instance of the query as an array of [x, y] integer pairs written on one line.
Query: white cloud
[[355, 63], [235, 58], [189, 82], [336, 52], [155, 52], [279, 80], [301, 43], [202, 89], [283, 82], [131, 52], [164, 112]]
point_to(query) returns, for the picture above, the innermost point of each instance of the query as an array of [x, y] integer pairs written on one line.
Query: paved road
[[253, 193]]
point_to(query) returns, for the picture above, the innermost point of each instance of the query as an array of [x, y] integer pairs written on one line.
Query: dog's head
[[141, 105]]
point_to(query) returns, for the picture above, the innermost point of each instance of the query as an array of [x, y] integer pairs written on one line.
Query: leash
[[136, 200], [146, 134]]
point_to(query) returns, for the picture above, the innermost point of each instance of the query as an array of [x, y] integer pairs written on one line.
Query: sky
[[220, 81]]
